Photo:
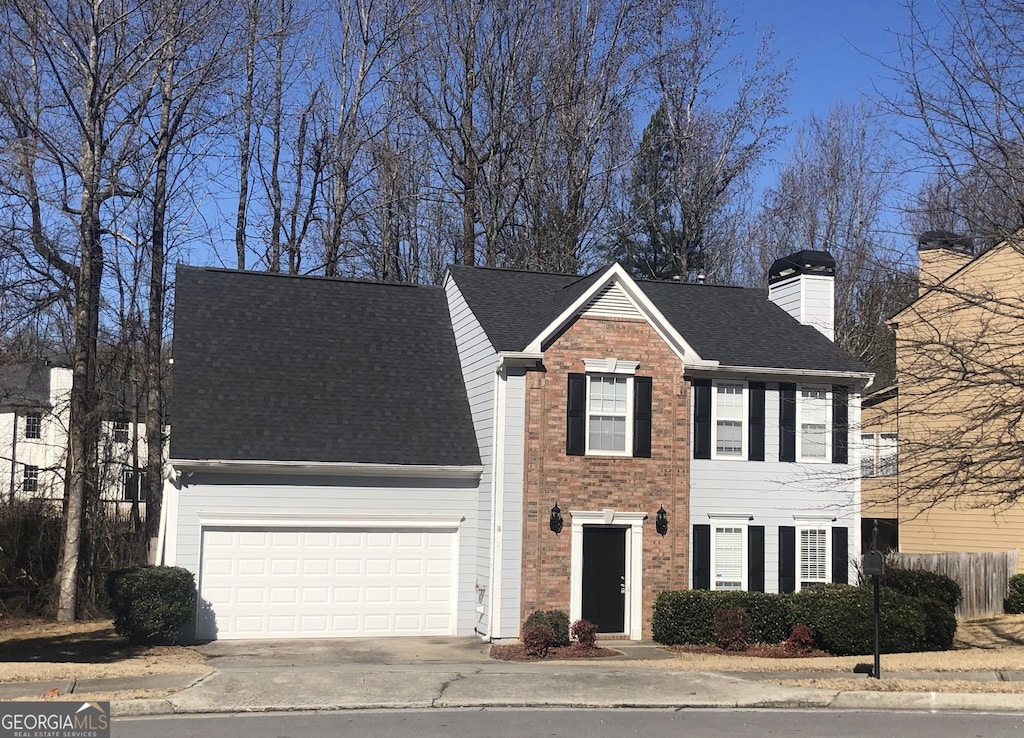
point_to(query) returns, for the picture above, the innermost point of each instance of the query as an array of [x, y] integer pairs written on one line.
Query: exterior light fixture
[[556, 522], [661, 521]]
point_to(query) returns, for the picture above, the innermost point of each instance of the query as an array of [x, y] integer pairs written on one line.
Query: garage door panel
[[328, 583]]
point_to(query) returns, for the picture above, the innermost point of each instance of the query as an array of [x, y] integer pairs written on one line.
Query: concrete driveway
[[345, 652]]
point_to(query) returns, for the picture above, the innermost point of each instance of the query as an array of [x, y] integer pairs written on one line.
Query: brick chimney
[[803, 284], [939, 254]]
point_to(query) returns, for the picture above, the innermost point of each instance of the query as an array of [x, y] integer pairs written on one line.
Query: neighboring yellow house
[[878, 465], [959, 412]]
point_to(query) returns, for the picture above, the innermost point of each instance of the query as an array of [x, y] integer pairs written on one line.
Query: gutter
[[344, 468]]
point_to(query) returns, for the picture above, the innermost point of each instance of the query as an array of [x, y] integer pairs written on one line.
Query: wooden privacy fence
[[983, 576]]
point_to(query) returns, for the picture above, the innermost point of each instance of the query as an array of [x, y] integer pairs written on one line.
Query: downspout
[[161, 533], [14, 454]]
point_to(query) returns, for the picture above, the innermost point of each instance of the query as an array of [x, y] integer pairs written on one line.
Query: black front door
[[604, 578]]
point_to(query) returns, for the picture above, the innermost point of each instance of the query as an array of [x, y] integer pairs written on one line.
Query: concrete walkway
[[457, 673]]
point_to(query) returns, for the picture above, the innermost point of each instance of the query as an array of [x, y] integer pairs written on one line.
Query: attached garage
[[317, 582]]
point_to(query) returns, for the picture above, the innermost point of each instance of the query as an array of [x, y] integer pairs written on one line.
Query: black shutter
[[840, 425], [787, 421], [642, 391], [702, 419], [840, 556], [755, 558], [755, 420], [575, 415], [702, 557], [787, 558]]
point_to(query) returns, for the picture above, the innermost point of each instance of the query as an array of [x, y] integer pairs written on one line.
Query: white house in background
[[35, 407]]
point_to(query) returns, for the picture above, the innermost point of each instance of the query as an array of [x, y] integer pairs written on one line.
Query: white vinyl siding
[[813, 565], [813, 417], [728, 557], [729, 410], [609, 402]]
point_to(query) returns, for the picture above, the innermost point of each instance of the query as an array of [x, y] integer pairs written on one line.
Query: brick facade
[[594, 483]]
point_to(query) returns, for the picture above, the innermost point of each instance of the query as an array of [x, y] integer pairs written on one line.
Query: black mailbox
[[872, 564]]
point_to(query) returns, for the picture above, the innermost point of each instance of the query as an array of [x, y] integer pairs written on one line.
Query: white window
[[729, 409], [30, 478], [33, 425], [814, 557], [879, 455], [121, 431], [609, 410], [728, 557], [814, 411]]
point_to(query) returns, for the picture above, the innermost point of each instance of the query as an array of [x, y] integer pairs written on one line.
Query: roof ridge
[[311, 277], [514, 270]]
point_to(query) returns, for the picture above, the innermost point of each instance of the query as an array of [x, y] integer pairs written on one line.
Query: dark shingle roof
[[281, 368], [735, 326], [25, 386]]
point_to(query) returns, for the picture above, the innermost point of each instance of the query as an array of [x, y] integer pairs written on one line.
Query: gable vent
[[612, 302]]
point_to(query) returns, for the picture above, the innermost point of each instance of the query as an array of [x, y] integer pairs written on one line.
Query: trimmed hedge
[[939, 624], [1014, 603], [842, 618], [924, 585], [151, 603], [688, 616], [557, 620]]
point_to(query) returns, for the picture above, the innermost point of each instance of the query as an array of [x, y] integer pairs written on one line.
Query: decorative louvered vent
[[612, 302]]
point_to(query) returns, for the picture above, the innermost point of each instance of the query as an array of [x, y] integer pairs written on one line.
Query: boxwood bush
[[939, 624], [1014, 603], [842, 619], [925, 585], [688, 616], [557, 620], [151, 603]]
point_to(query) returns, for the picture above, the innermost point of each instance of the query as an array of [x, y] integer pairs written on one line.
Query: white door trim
[[634, 563]]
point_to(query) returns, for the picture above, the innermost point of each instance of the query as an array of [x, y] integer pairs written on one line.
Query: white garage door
[[314, 583]]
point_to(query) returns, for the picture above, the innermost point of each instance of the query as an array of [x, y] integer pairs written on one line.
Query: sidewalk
[[251, 681]]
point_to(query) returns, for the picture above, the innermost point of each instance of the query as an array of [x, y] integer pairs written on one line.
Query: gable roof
[[735, 326], [284, 368], [25, 386]]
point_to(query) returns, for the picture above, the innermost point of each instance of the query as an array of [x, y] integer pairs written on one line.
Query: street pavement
[[457, 673]]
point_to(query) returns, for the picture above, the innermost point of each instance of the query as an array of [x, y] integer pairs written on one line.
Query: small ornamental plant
[[801, 640], [732, 626], [584, 633], [538, 640]]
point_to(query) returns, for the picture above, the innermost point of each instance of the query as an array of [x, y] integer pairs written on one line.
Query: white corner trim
[[344, 468], [820, 518], [236, 519], [730, 516], [611, 366], [615, 273]]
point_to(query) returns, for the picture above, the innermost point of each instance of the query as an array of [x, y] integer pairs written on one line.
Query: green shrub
[[151, 603], [732, 627], [924, 585], [1014, 603], [557, 620], [538, 638], [842, 618], [688, 616], [939, 624]]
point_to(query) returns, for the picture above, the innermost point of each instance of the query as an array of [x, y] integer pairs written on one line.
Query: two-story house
[[355, 458], [955, 412], [35, 409]]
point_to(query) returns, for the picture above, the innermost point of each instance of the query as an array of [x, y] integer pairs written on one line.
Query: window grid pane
[[813, 437], [606, 408], [728, 419], [813, 555], [33, 425], [867, 455], [887, 455], [728, 558], [30, 480]]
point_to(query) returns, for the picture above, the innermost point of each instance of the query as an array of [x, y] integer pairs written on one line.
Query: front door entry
[[604, 578]]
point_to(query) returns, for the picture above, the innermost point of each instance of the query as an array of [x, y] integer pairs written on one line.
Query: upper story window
[[33, 425], [879, 455], [121, 431], [608, 410], [729, 411], [30, 478], [813, 409]]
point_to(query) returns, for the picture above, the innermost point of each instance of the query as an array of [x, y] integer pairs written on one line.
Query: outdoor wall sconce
[[661, 521], [556, 522]]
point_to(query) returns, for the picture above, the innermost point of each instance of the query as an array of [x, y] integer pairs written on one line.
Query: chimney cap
[[819, 263], [945, 240]]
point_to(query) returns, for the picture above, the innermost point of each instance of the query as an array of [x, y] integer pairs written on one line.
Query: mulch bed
[[757, 650], [517, 652]]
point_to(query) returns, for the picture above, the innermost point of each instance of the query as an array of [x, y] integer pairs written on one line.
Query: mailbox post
[[872, 566]]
